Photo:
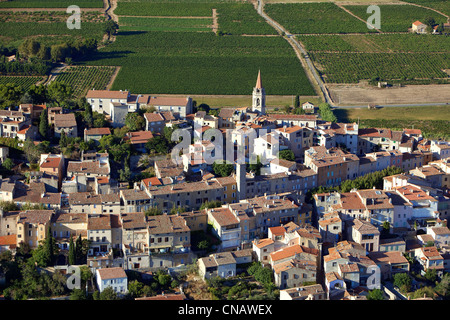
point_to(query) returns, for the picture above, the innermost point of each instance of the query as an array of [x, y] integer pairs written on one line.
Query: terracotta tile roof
[[263, 243], [135, 220], [98, 131], [134, 194], [153, 181], [106, 94], [277, 231], [391, 257], [84, 198], [365, 227], [111, 273], [441, 230], [289, 129], [70, 218], [223, 258], [162, 224], [101, 222], [349, 268], [35, 216], [164, 101], [66, 120], [223, 216], [291, 251], [84, 167], [139, 137], [413, 193], [51, 162], [417, 23], [8, 240], [153, 117]]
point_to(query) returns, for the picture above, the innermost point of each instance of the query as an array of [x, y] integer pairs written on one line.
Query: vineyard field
[[202, 63], [311, 18], [398, 18], [165, 24], [168, 9], [84, 78], [408, 42], [440, 5], [242, 18], [51, 4], [352, 67], [47, 32], [23, 82]]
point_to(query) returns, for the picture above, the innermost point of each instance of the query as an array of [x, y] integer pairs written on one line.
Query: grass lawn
[[394, 113]]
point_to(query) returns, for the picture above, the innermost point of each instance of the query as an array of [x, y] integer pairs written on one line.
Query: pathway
[[301, 52]]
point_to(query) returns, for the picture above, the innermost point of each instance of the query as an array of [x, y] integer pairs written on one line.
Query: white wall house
[[112, 277]]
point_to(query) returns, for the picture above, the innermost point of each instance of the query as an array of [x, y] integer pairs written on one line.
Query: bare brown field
[[348, 94]]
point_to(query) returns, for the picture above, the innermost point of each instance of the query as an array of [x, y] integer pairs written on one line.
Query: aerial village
[[327, 211]]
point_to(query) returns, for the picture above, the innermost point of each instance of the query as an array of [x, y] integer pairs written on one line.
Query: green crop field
[[351, 67], [47, 27], [440, 5], [300, 18], [202, 63], [23, 82], [398, 18], [51, 4], [84, 78], [171, 9], [242, 18], [165, 24], [409, 42]]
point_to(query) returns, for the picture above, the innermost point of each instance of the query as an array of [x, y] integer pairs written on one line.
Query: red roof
[[51, 162], [8, 240], [153, 181], [98, 131]]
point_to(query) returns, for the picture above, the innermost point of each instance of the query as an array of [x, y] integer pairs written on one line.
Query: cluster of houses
[[323, 250]]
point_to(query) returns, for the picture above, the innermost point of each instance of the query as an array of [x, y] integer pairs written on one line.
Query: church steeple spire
[[258, 81], [259, 96]]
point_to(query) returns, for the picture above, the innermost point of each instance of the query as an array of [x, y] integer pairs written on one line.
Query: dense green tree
[[286, 155], [63, 139], [88, 115], [134, 121], [326, 112], [108, 294], [43, 124], [211, 204], [153, 211], [29, 48], [78, 294], [8, 164], [297, 101], [59, 92], [402, 281], [111, 27], [72, 255], [157, 144], [222, 168], [10, 94], [135, 288], [375, 294]]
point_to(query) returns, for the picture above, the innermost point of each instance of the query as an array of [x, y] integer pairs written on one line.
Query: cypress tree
[[71, 252], [79, 250], [43, 123]]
